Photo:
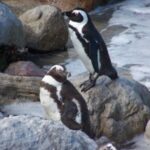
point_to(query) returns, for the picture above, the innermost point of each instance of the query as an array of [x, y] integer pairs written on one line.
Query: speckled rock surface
[[24, 133], [119, 109]]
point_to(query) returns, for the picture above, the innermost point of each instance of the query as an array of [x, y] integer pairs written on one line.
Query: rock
[[24, 132], [45, 28], [11, 32], [18, 88], [118, 109], [88, 5], [24, 68], [9, 54], [102, 140], [21, 6], [147, 130], [71, 4], [1, 115]]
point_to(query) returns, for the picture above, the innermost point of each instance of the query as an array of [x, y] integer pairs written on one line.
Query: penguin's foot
[[85, 86]]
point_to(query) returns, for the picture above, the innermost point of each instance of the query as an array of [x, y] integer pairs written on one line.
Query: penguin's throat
[[77, 26], [51, 81]]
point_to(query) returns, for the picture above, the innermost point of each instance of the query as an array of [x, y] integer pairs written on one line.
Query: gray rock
[[1, 115], [118, 109], [147, 130], [102, 140], [45, 28], [24, 133], [11, 29], [24, 68]]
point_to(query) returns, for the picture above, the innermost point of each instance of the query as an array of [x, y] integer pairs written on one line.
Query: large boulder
[[45, 28], [71, 4], [21, 6], [24, 133], [24, 68], [118, 109], [11, 29]]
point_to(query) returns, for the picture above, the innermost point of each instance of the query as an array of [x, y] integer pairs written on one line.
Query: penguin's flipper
[[92, 48], [68, 115], [71, 123]]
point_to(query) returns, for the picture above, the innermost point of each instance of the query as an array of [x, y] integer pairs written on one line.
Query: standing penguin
[[90, 47], [62, 101]]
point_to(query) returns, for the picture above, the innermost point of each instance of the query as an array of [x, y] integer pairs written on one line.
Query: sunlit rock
[[45, 28]]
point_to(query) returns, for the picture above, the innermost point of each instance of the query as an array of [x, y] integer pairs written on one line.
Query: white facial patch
[[58, 67], [78, 117], [79, 25], [51, 81], [110, 147]]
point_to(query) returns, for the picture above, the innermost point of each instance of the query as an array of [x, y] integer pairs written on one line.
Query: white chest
[[81, 51], [49, 105], [51, 81]]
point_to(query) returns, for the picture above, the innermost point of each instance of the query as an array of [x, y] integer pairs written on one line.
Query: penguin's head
[[108, 146], [59, 73], [77, 15]]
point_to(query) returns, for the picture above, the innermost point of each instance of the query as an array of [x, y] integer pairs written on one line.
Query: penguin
[[89, 46], [62, 101], [108, 146]]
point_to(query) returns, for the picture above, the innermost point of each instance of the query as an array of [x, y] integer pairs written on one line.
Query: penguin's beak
[[66, 14]]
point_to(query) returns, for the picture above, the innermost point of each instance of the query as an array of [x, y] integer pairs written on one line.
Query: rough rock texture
[[71, 4], [24, 133], [24, 68], [20, 6], [45, 28], [18, 88], [118, 109], [147, 130], [11, 29]]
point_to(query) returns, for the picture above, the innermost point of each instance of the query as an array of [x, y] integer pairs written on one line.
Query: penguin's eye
[[76, 16]]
